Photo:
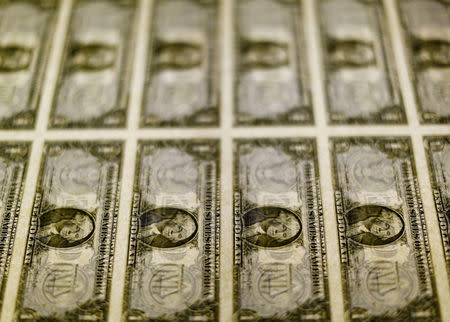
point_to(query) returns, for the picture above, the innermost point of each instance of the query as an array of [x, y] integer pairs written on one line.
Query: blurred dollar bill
[[271, 82], [94, 81], [68, 261], [279, 246], [182, 79], [426, 26], [13, 164], [173, 263], [438, 149], [26, 29], [385, 256], [360, 77]]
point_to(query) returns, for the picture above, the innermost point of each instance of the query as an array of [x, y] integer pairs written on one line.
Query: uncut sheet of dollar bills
[[224, 160]]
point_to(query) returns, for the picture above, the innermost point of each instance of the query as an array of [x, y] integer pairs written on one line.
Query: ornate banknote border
[[26, 119], [417, 220], [19, 154], [120, 111], [212, 111], [99, 305], [390, 70], [440, 197], [408, 42], [302, 72], [202, 309], [317, 307]]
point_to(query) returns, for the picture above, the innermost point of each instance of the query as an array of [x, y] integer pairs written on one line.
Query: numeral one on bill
[[360, 79], [68, 261], [26, 29], [271, 82], [94, 81], [13, 164], [385, 255], [426, 26], [173, 262], [279, 246], [181, 88], [438, 149]]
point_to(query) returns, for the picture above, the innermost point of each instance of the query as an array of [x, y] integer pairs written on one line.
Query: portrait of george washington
[[374, 225], [271, 227], [167, 227], [65, 227]]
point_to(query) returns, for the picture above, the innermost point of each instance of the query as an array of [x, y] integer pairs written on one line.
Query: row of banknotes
[[280, 260], [181, 86]]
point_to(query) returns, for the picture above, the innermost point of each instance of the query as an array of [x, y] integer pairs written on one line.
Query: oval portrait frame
[[391, 212], [162, 212], [271, 209], [72, 212]]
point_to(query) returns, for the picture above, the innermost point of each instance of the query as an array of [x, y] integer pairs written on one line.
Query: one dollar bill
[[13, 164], [173, 263], [360, 76], [26, 29], [438, 149], [181, 87], [426, 25], [385, 256], [271, 82], [279, 245], [68, 261], [94, 81]]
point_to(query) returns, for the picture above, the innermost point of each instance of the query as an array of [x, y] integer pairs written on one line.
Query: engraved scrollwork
[[373, 172], [388, 283]]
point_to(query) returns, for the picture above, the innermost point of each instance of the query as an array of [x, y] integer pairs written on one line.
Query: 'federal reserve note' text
[[279, 245]]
